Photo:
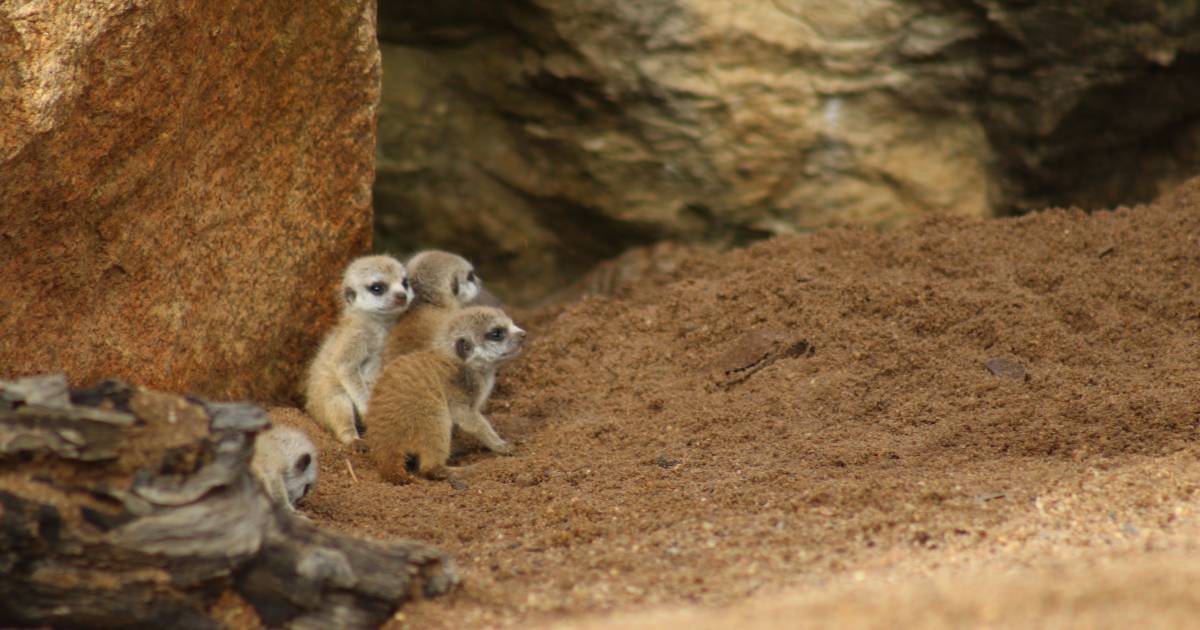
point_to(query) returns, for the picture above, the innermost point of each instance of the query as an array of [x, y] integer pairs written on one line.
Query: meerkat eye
[[470, 276], [404, 284], [378, 288], [497, 334]]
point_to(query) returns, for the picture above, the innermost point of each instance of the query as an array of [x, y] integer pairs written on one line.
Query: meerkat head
[[297, 457], [443, 279], [377, 285], [481, 337]]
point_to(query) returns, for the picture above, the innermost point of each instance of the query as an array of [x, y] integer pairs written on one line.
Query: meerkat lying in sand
[[443, 283], [422, 395], [285, 461], [375, 291]]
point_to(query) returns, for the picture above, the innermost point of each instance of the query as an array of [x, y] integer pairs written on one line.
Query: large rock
[[540, 137], [180, 185]]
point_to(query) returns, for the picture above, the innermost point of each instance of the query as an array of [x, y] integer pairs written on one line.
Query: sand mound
[[957, 396]]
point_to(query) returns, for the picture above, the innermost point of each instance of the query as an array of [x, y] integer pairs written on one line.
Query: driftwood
[[121, 506]]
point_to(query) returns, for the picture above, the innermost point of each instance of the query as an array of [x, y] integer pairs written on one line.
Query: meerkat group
[[409, 358]]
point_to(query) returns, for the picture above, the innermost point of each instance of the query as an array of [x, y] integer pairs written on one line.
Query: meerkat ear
[[454, 285], [349, 295], [463, 347], [303, 463]]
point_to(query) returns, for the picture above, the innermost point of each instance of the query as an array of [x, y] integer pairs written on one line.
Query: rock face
[[180, 185], [539, 137]]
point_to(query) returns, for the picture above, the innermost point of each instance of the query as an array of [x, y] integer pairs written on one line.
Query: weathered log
[[121, 506]]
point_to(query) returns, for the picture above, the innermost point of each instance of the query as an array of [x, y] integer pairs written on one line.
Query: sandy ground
[[984, 422]]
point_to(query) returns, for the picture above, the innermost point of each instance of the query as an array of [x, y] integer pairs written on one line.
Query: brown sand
[[808, 429]]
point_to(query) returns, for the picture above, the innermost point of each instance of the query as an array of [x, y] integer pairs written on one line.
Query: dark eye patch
[[497, 334], [303, 462], [470, 276], [377, 288], [463, 347]]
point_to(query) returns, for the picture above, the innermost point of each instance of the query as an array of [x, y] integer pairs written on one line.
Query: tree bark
[[121, 506]]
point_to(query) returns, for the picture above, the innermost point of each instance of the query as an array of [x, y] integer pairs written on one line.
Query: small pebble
[[1006, 368]]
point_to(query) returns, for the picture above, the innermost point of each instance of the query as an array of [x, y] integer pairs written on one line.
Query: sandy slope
[[807, 430]]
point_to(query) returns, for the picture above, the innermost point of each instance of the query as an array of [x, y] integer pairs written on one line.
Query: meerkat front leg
[[346, 410], [352, 381], [475, 424]]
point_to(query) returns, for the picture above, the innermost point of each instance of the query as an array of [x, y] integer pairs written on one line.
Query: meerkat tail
[[439, 473], [430, 451]]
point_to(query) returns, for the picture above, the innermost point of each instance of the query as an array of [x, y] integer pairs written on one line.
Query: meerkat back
[[410, 416], [414, 332]]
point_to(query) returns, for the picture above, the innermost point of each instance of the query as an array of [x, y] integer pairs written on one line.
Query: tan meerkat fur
[[422, 395], [285, 461], [442, 283], [375, 291]]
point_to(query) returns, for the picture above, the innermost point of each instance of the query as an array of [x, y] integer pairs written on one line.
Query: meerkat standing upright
[[443, 283], [285, 461], [375, 291], [422, 395]]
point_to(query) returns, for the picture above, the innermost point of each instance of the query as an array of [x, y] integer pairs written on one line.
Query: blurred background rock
[[541, 137]]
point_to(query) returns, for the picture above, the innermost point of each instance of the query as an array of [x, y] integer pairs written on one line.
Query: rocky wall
[[180, 185], [541, 136]]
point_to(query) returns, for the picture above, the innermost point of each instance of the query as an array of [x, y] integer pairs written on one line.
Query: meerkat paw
[[359, 445], [503, 448]]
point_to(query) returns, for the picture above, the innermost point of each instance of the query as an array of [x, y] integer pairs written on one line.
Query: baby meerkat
[[285, 461], [443, 283], [375, 291], [422, 395]]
